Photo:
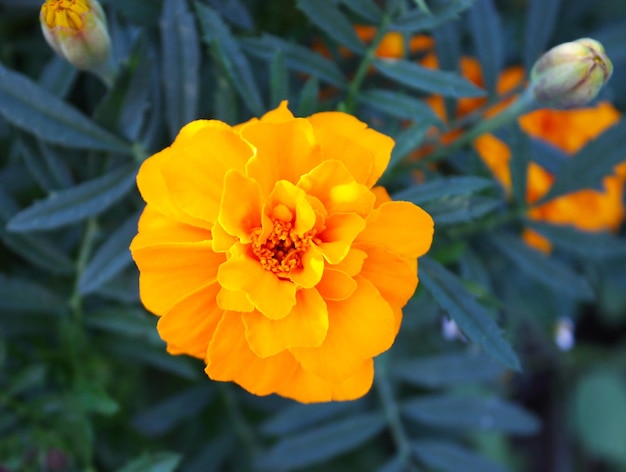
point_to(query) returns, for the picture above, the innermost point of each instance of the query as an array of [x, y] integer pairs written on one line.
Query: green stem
[[84, 252], [241, 427]]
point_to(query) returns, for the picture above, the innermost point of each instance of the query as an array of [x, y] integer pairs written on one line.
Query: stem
[[84, 252], [242, 429]]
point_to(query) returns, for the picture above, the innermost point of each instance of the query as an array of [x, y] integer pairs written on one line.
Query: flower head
[[267, 252], [77, 31]]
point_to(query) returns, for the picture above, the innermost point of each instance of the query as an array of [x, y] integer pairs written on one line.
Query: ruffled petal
[[305, 326], [312, 269], [295, 203], [336, 239], [279, 114], [336, 285], [156, 228], [241, 206], [170, 272], [360, 327], [188, 326], [400, 227], [233, 300], [229, 358], [272, 296]]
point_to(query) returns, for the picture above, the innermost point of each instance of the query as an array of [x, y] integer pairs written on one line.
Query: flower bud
[[571, 74], [77, 31]]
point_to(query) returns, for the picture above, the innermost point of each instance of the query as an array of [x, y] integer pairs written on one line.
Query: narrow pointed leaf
[[299, 417], [461, 209], [45, 165], [368, 9], [470, 316], [398, 105], [444, 456], [279, 79], [34, 109], [408, 141], [417, 20], [309, 96], [486, 30], [25, 296], [156, 462], [39, 251], [233, 11], [541, 18], [444, 188]]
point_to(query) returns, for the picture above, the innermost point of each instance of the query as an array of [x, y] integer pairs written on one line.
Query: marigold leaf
[[397, 464], [228, 52], [76, 203], [470, 413], [541, 18], [470, 316], [130, 322], [32, 108], [448, 369], [368, 9], [180, 64], [407, 141], [461, 209], [110, 259], [233, 11], [25, 296], [309, 96], [212, 456], [58, 76], [547, 156], [298, 58], [40, 252], [298, 417], [317, 445], [519, 143], [45, 164], [279, 79], [156, 462], [417, 20], [422, 78], [486, 31], [143, 13], [613, 38], [445, 456], [333, 22], [547, 270], [398, 105], [444, 187], [27, 379]]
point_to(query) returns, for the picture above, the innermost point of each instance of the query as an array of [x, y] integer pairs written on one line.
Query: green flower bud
[[77, 31], [571, 74]]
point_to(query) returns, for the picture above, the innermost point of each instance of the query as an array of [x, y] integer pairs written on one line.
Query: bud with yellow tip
[[571, 74], [77, 31]]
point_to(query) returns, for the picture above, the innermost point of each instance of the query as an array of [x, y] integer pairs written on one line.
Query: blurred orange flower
[[267, 253]]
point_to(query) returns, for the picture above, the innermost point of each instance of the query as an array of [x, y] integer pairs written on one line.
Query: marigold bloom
[[267, 253]]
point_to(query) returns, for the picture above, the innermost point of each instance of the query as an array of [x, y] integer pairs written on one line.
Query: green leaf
[[470, 316], [333, 22], [584, 243], [212, 455], [110, 259], [520, 146], [427, 80], [486, 31], [76, 203], [92, 399], [396, 464], [58, 76], [323, 443], [407, 142], [25, 296], [470, 413], [444, 456], [368, 9], [443, 188], [600, 414], [461, 209], [45, 164], [299, 417], [40, 252], [29, 378], [613, 37], [547, 270], [541, 19], [228, 52], [448, 369], [398, 105], [279, 79], [298, 58], [417, 20], [591, 164], [156, 462], [181, 64], [125, 321], [309, 97], [32, 108]]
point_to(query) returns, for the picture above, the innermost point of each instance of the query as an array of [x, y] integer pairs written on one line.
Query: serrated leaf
[[461, 209], [76, 203], [398, 105], [445, 187], [333, 22], [44, 164], [470, 413], [547, 270], [541, 18], [229, 53], [367, 9], [428, 80], [298, 58], [156, 462], [417, 20], [110, 259], [181, 64], [448, 369], [299, 417], [486, 30], [444, 456], [592, 163], [279, 79], [35, 110], [162, 417], [320, 444], [470, 316], [25, 296]]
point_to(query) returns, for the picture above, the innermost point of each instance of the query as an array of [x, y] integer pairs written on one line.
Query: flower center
[[282, 251], [65, 13]]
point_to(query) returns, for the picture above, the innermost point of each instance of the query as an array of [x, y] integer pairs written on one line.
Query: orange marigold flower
[[267, 253]]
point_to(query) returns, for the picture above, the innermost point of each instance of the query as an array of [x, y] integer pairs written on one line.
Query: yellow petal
[[241, 206], [233, 300], [360, 327], [305, 326], [156, 228], [170, 272], [312, 269], [189, 325], [229, 358], [341, 230], [287, 196], [336, 285], [400, 227], [278, 115], [272, 296]]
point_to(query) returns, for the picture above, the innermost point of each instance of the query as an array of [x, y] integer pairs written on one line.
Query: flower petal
[[341, 230], [312, 269], [305, 326], [241, 206], [336, 285], [400, 227], [360, 327], [272, 296], [156, 228], [229, 358], [286, 194], [233, 300], [188, 326], [170, 272]]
